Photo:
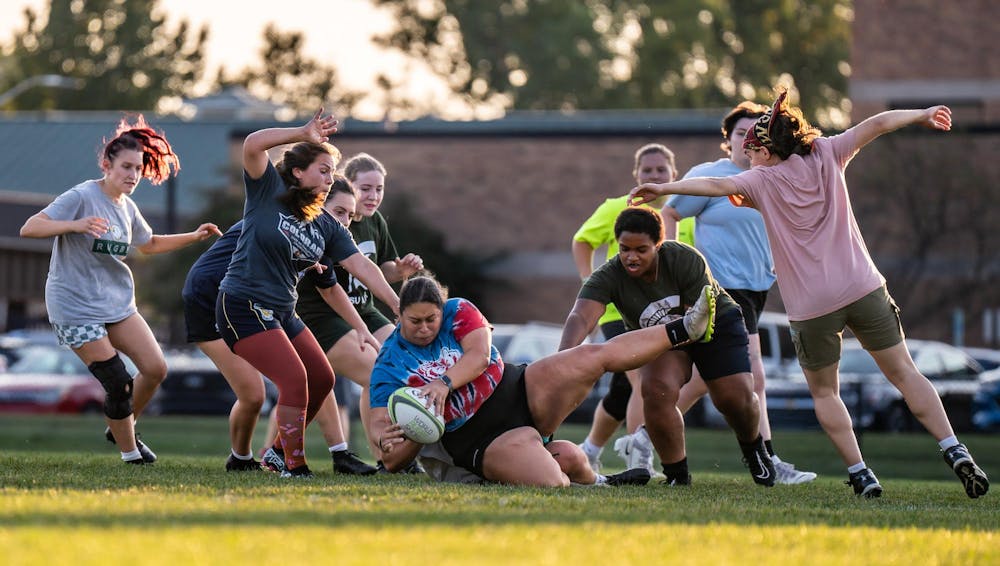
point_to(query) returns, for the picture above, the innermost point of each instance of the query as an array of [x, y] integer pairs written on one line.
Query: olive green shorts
[[328, 328], [874, 320]]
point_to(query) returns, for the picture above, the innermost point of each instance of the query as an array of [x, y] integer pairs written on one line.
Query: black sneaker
[[759, 462], [301, 472], [347, 462], [635, 476], [135, 462], [273, 460], [148, 456], [865, 484], [413, 467], [973, 478], [234, 464], [676, 480]]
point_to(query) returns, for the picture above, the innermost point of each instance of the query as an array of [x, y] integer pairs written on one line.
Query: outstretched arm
[[162, 243], [698, 186], [317, 130], [935, 117]]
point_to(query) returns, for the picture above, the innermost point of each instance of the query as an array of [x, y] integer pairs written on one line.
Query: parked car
[[51, 379], [986, 402], [194, 386], [525, 343], [872, 401], [987, 357], [11, 343]]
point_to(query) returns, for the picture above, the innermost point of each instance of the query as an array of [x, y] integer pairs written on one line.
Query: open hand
[[320, 128]]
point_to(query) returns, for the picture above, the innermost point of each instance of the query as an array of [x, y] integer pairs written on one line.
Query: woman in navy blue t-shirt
[[285, 232]]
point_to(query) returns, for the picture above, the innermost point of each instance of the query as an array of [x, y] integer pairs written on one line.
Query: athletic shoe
[[788, 475], [637, 450], [865, 484], [593, 459], [699, 320], [273, 460], [234, 464], [676, 480], [148, 456], [347, 462], [634, 476], [761, 467], [413, 467], [301, 472], [136, 462], [973, 478]]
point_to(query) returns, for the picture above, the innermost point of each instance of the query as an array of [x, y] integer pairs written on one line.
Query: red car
[[50, 379]]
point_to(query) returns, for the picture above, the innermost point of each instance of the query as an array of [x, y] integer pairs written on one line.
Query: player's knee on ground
[[117, 383]]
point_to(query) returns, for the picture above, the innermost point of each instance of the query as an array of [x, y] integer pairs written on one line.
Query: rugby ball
[[408, 409]]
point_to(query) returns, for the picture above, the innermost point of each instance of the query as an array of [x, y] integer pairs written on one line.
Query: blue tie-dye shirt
[[401, 363]]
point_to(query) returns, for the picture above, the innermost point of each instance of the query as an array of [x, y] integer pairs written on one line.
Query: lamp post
[[51, 81]]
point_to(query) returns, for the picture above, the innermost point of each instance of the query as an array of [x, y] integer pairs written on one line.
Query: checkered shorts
[[76, 335]]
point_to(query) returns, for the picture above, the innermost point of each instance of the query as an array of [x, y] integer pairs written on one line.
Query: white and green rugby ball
[[408, 409]]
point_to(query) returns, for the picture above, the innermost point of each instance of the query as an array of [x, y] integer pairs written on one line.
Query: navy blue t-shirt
[[205, 275], [275, 246]]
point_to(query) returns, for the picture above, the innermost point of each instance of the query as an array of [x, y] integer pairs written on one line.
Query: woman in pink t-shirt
[[827, 278]]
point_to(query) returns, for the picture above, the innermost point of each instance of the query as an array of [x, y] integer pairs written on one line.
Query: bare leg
[[517, 457], [759, 383], [824, 385], [693, 390], [351, 362], [634, 415], [661, 385], [734, 397], [248, 386], [133, 338], [920, 395], [603, 426]]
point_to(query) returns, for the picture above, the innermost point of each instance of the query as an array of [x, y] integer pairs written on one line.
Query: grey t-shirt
[[89, 281]]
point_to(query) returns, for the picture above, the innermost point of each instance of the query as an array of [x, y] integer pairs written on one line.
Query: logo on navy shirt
[[305, 241]]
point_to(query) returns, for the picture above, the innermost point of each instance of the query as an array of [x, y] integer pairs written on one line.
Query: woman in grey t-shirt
[[90, 293]]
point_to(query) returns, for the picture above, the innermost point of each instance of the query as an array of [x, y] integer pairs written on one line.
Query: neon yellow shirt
[[599, 230]]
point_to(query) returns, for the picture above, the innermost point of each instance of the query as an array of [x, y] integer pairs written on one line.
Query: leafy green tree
[[124, 52], [287, 76], [565, 54]]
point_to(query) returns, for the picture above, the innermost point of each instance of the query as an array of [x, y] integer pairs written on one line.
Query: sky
[[337, 32]]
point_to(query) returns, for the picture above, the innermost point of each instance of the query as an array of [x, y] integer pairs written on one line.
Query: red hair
[[158, 159]]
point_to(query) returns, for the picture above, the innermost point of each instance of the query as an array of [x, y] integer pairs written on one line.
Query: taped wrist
[[677, 333], [117, 383]]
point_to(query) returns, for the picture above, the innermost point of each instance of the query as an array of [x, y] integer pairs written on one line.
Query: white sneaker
[[593, 459], [699, 320], [788, 475], [637, 450]]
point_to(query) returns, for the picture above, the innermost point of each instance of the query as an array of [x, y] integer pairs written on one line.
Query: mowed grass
[[66, 499]]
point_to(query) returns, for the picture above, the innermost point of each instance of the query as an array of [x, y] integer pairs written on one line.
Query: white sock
[[126, 456], [244, 457], [591, 449], [947, 443], [856, 467], [338, 447], [601, 479]]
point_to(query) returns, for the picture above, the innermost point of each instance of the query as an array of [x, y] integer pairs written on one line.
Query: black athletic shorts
[[242, 317], [199, 317], [729, 351], [506, 409], [751, 303]]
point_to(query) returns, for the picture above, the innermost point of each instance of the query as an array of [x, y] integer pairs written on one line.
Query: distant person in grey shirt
[[90, 293]]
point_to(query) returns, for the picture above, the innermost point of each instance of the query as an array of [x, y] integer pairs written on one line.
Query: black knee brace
[[117, 385], [615, 402]]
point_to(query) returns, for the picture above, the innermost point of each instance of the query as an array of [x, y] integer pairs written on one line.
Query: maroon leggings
[[300, 370]]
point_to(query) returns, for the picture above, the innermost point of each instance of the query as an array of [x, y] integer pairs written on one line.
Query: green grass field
[[66, 499]]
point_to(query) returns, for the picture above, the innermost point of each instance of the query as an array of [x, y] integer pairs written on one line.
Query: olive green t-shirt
[[681, 274]]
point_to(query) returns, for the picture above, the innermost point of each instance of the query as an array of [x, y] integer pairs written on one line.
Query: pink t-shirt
[[820, 258]]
